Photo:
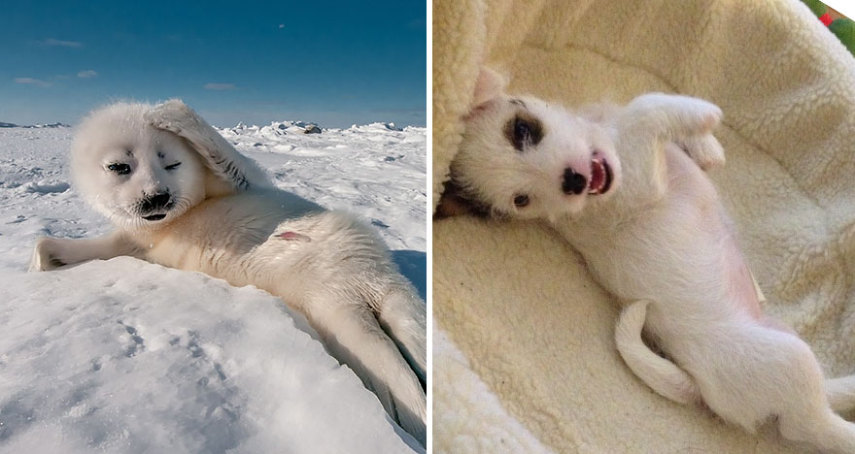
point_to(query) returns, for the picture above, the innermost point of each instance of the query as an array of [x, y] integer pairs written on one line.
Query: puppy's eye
[[523, 131], [119, 168], [521, 201], [172, 166]]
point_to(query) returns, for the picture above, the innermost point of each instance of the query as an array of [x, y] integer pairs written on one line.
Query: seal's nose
[[155, 202]]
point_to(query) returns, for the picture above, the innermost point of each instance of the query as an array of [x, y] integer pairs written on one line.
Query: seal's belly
[[257, 241]]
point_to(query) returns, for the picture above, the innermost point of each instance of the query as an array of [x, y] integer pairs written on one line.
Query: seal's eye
[[119, 168], [172, 166], [521, 201]]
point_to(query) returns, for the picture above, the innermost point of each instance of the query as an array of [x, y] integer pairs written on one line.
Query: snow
[[124, 356], [388, 186]]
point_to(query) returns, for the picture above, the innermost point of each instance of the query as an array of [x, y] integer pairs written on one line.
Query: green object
[[845, 30], [816, 6]]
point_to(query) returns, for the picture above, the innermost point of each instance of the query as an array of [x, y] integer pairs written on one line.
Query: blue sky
[[336, 63]]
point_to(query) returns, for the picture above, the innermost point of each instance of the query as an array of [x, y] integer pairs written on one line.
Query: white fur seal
[[181, 196]]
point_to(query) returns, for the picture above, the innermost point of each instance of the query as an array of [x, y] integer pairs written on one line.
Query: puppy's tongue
[[598, 176]]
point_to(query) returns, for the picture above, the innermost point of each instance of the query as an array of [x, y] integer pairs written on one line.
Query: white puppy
[[180, 195], [625, 187]]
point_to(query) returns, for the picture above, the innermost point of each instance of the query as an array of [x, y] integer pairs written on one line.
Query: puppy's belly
[[692, 190], [679, 253]]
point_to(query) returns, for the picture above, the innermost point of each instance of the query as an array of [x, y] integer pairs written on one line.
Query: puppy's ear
[[490, 85], [454, 203]]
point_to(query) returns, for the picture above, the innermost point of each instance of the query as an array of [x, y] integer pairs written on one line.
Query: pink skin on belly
[[743, 286], [744, 293], [293, 236], [687, 178]]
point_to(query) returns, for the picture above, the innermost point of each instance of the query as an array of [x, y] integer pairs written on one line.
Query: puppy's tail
[[660, 374], [841, 393]]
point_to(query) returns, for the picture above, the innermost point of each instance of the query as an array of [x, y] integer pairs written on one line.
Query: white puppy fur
[[181, 196], [657, 238]]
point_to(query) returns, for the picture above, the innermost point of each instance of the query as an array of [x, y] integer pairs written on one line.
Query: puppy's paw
[[47, 255], [173, 116], [706, 116], [705, 150], [675, 114]]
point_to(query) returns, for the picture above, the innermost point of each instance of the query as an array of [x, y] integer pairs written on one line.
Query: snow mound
[[124, 356], [47, 187]]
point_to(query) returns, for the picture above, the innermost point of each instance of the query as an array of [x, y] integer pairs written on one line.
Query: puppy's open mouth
[[601, 176], [154, 217]]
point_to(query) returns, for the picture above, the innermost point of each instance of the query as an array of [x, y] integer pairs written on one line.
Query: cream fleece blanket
[[531, 364]]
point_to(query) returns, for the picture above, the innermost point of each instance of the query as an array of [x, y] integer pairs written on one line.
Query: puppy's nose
[[573, 183], [156, 202]]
